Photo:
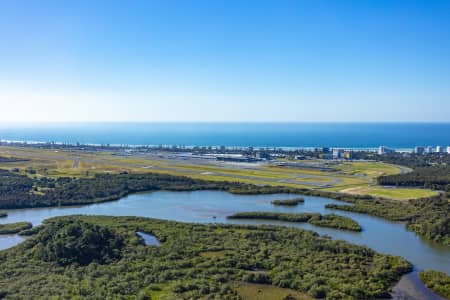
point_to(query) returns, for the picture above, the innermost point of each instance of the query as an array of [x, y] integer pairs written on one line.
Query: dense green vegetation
[[280, 256], [288, 202], [20, 191], [437, 281], [12, 188], [331, 220], [431, 177], [287, 217], [335, 221], [12, 228], [410, 160], [77, 242], [429, 217], [31, 231], [429, 171]]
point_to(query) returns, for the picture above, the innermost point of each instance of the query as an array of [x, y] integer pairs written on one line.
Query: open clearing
[[346, 177], [249, 291], [390, 192]]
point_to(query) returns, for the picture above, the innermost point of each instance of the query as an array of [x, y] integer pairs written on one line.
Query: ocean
[[345, 135]]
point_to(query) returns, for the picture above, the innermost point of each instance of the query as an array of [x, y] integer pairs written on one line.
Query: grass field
[[391, 193], [217, 254], [345, 177], [249, 291], [369, 169]]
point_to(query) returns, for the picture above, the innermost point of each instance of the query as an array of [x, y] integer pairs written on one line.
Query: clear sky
[[224, 60]]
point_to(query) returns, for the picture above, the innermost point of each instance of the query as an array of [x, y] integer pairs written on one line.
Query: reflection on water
[[149, 239], [214, 206], [410, 287], [9, 240]]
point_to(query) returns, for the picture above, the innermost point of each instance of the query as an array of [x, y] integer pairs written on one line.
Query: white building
[[448, 150], [439, 149], [383, 150], [338, 153], [429, 150], [418, 150]]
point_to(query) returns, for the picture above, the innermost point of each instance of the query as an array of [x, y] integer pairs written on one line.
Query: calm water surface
[[352, 135], [214, 206], [149, 239]]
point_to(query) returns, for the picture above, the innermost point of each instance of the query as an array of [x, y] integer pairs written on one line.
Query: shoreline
[[245, 189], [411, 287], [399, 288], [30, 143]]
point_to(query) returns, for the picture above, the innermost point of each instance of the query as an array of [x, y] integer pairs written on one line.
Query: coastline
[[289, 135]]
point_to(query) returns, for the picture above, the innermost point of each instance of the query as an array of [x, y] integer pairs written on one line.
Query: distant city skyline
[[224, 61]]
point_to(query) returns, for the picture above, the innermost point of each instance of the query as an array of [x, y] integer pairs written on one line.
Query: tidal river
[[213, 207]]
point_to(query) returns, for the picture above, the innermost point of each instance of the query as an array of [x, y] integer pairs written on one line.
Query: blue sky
[[225, 60]]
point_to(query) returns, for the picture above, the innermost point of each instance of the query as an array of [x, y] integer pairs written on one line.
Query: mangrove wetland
[[260, 237]]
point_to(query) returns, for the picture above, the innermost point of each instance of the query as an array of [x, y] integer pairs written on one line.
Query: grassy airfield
[[346, 177]]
